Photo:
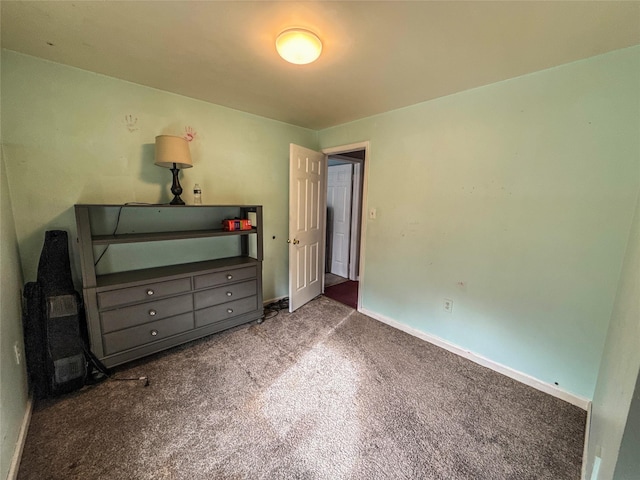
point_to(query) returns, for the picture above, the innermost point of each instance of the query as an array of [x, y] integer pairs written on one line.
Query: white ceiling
[[377, 56]]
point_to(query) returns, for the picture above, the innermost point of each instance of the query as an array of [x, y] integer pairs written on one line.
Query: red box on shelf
[[236, 224]]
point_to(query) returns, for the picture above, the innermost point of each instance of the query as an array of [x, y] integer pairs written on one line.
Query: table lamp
[[173, 152]]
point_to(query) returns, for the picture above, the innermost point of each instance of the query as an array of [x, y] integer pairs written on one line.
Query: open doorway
[[345, 189], [308, 172]]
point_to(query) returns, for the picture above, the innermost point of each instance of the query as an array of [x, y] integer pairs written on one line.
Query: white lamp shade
[[298, 46], [171, 149]]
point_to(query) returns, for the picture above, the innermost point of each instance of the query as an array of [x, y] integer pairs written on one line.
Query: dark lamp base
[[176, 189]]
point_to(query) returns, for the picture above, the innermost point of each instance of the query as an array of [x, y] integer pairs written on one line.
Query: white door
[[307, 187], [339, 184]]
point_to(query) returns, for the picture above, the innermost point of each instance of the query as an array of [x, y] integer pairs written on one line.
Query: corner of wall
[[619, 368], [14, 399]]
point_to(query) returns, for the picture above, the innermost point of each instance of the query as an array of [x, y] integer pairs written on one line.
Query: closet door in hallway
[[339, 188]]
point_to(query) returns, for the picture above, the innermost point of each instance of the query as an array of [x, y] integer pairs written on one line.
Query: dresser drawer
[[216, 296], [225, 310], [150, 291], [147, 333], [126, 317], [224, 276]]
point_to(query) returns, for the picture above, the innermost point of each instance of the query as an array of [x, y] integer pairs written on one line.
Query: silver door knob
[[152, 313], [150, 292], [154, 333], [229, 276], [229, 294], [229, 310]]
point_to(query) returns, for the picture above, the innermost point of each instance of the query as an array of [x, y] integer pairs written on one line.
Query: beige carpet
[[324, 393]]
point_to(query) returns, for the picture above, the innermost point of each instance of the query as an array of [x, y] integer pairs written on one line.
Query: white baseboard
[[485, 362], [596, 468], [22, 437]]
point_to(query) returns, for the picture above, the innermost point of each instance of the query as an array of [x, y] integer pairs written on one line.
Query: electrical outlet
[[447, 305], [18, 351], [372, 214]]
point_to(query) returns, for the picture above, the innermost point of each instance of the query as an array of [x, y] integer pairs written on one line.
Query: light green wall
[[13, 377], [620, 365], [67, 141], [515, 200]]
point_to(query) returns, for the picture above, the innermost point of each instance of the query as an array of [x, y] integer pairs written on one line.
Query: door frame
[[352, 147], [356, 205]]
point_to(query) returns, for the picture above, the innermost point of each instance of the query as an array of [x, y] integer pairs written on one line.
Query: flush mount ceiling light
[[298, 46]]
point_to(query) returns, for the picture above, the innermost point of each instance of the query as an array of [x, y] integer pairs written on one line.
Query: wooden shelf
[[193, 291], [135, 277], [161, 236], [165, 205]]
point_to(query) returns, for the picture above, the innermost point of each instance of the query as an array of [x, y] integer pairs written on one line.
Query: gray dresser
[[158, 276]]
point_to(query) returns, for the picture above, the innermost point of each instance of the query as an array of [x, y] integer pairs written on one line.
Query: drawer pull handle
[[154, 333], [152, 313], [150, 292], [229, 276], [229, 310], [229, 294]]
